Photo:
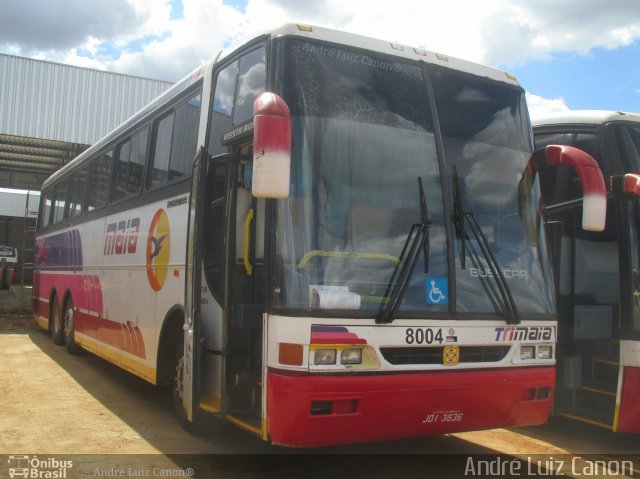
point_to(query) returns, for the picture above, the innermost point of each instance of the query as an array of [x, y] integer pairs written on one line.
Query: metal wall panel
[[40, 99], [13, 203]]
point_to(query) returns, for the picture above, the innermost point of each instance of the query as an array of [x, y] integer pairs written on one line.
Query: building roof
[[51, 112]]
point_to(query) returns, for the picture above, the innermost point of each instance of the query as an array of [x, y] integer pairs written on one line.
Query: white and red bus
[[597, 273], [319, 237]]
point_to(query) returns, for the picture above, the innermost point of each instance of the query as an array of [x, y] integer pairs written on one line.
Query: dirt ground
[[106, 420]]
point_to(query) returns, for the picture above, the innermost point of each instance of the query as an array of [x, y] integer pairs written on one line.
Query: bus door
[[226, 290], [189, 371], [243, 371], [586, 274], [626, 189], [588, 298], [227, 239]]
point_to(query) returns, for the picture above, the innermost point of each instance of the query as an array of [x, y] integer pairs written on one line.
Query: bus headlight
[[545, 352], [351, 356], [325, 356], [527, 352]]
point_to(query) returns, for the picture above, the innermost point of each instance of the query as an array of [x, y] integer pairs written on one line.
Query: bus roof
[[300, 30], [387, 48], [585, 117]]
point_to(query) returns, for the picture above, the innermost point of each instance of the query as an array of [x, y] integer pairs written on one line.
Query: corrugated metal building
[[50, 113], [19, 203], [18, 213], [40, 99]]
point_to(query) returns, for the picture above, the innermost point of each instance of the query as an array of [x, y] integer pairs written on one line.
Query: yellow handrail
[[346, 254], [248, 267]]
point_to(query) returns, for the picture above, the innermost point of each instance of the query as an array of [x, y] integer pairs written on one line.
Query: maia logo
[[158, 250]]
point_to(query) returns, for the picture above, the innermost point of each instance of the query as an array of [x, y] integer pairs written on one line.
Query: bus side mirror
[[271, 147], [627, 185], [594, 193]]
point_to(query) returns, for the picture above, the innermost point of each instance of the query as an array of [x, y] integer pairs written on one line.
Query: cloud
[[141, 37], [33, 25], [536, 29], [540, 107]]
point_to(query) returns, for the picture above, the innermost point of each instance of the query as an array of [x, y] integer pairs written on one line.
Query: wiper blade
[[458, 217], [417, 240], [459, 220]]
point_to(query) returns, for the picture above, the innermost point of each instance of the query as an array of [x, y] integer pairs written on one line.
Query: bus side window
[[222, 107], [129, 166], [137, 160], [162, 150], [81, 192], [175, 139], [120, 171], [72, 194], [251, 82], [185, 137], [237, 85], [60, 202], [99, 175], [46, 208]]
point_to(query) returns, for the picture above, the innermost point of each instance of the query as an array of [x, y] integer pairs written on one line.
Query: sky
[[567, 54]]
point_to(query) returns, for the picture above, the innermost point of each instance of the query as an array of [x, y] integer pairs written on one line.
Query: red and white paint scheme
[[116, 271], [272, 238], [387, 398], [271, 146], [597, 288]]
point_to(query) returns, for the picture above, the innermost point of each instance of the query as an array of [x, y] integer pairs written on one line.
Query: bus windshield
[[363, 133]]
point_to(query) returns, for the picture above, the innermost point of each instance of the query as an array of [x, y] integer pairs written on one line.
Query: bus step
[[246, 420], [605, 370], [597, 397], [589, 417]]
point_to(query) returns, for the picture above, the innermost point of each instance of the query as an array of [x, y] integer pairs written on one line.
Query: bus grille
[[431, 355]]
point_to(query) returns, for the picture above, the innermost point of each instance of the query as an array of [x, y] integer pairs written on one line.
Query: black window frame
[[133, 139], [91, 164], [170, 111]]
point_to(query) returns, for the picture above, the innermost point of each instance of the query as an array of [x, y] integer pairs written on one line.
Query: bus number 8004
[[423, 336]]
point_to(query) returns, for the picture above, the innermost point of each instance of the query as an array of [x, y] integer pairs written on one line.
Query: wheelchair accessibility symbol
[[437, 290]]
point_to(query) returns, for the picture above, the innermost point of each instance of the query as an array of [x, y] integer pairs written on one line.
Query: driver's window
[[237, 85]]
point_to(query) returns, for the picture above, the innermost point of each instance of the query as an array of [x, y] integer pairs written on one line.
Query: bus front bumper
[[316, 410]]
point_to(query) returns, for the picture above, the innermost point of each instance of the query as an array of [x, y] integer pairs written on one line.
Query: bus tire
[[57, 327], [69, 328]]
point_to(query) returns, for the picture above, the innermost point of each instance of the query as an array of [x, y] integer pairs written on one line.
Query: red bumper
[[629, 416], [350, 409]]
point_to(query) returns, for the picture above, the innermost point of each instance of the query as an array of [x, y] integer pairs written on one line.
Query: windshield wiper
[[459, 217], [417, 241]]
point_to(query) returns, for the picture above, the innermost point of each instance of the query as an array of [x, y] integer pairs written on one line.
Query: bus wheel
[[57, 332], [69, 328]]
